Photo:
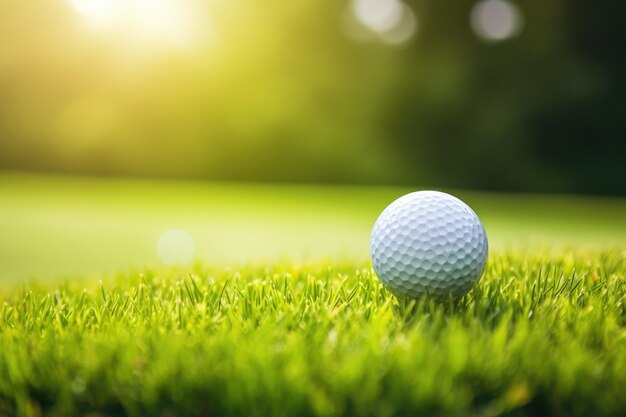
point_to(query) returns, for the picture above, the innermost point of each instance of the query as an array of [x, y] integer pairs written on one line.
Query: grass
[[540, 335], [62, 227], [279, 332]]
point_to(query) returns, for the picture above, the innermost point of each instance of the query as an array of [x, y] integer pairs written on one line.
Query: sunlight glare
[[96, 12], [169, 21]]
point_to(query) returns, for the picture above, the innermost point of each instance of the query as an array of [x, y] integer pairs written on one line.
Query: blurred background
[[490, 94], [138, 132]]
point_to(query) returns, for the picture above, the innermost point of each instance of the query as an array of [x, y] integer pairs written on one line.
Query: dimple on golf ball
[[428, 242]]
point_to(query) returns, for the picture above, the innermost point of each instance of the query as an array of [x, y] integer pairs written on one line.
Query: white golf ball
[[428, 242]]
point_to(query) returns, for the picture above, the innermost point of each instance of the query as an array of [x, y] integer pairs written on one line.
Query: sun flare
[[159, 20]]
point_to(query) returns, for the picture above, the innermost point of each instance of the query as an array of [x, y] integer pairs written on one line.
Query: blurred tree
[[541, 111], [355, 91]]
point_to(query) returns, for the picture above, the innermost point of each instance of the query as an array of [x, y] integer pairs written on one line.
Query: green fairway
[[280, 313], [540, 335], [55, 227]]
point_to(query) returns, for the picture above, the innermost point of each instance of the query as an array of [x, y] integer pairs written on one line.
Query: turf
[[54, 227], [540, 335]]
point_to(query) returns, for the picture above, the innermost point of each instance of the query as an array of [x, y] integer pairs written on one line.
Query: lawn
[[283, 315], [539, 336], [62, 227]]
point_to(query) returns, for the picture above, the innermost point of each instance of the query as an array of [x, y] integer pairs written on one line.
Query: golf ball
[[428, 242]]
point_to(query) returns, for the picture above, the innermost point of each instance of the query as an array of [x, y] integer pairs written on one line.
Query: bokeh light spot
[[391, 21], [175, 247], [404, 30], [495, 20], [378, 15]]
